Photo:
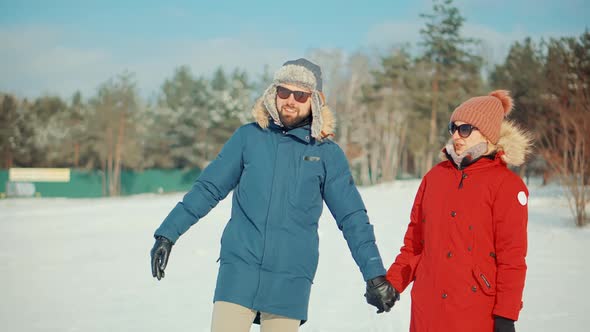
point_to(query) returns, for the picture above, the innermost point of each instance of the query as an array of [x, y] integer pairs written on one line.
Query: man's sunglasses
[[464, 129], [300, 96]]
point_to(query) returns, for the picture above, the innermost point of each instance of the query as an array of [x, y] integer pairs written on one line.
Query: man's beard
[[291, 122]]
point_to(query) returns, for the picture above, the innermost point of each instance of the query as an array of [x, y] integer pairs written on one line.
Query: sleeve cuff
[[373, 270], [506, 313]]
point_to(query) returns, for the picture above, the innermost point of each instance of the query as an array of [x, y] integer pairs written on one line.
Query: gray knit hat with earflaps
[[303, 73]]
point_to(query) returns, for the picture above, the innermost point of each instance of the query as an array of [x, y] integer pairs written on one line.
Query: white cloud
[[387, 34], [38, 60], [494, 47], [205, 56]]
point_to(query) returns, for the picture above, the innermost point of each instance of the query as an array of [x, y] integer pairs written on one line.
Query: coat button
[[449, 254], [473, 288], [470, 227], [453, 214], [423, 220], [444, 296], [469, 248]]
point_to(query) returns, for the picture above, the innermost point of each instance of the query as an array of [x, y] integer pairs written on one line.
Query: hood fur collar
[[514, 144], [262, 117]]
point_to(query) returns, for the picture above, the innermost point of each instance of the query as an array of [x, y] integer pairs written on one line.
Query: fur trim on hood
[[513, 146], [514, 142], [263, 117]]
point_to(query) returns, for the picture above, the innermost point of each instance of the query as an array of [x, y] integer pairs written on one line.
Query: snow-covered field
[[83, 265]]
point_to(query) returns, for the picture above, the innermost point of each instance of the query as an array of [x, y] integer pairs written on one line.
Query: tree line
[[392, 110], [115, 129]]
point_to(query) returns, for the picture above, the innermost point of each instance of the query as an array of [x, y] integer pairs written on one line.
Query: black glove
[[502, 324], [381, 294], [160, 253]]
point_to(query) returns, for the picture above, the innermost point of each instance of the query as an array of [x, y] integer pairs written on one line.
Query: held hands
[[381, 294], [160, 253]]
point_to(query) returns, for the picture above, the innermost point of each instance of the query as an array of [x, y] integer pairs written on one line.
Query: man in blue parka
[[281, 168]]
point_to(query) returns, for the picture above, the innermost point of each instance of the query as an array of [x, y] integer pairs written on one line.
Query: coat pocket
[[306, 192], [486, 282]]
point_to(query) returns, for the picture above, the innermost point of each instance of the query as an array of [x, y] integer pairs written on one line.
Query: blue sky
[[57, 47]]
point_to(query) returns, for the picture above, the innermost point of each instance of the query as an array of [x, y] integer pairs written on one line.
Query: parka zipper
[[463, 176], [268, 210], [485, 280]]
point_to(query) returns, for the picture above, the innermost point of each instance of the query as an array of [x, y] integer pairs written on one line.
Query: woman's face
[[463, 143]]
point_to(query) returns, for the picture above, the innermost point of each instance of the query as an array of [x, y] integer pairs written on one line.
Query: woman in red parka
[[466, 243]]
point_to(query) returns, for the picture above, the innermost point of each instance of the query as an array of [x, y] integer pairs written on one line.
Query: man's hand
[[381, 294], [502, 324], [160, 253]]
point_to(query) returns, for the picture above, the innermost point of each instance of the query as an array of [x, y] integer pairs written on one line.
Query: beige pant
[[230, 317]]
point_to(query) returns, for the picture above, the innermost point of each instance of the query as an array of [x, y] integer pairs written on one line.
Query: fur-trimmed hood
[[513, 146], [263, 117]]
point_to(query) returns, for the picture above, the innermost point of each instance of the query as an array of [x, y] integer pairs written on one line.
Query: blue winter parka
[[269, 247]]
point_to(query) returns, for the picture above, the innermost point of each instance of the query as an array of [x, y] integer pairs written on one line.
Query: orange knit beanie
[[485, 112]]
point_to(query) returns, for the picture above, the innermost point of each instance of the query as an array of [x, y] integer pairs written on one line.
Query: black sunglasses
[[300, 96], [464, 129]]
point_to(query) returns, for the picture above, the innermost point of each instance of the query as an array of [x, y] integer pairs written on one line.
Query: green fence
[[90, 183], [3, 181]]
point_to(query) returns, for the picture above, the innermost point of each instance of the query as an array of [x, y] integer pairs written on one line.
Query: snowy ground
[[83, 265]]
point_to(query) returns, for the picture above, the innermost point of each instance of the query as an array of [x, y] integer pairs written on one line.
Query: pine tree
[[564, 140], [113, 126], [455, 69], [183, 118], [8, 129], [389, 102]]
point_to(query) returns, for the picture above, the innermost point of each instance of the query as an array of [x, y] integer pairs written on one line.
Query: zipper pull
[[485, 280]]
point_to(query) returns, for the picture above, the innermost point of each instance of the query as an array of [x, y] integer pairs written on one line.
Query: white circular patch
[[522, 198]]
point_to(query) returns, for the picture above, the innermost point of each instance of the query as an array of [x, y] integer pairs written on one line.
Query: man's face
[[291, 111], [463, 143]]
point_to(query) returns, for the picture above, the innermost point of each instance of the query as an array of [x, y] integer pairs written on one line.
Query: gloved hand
[[502, 324], [160, 253], [381, 294]]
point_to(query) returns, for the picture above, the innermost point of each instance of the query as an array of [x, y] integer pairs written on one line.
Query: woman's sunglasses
[[299, 96], [464, 129]]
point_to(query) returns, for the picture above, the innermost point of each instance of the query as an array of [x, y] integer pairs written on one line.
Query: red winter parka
[[466, 243]]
